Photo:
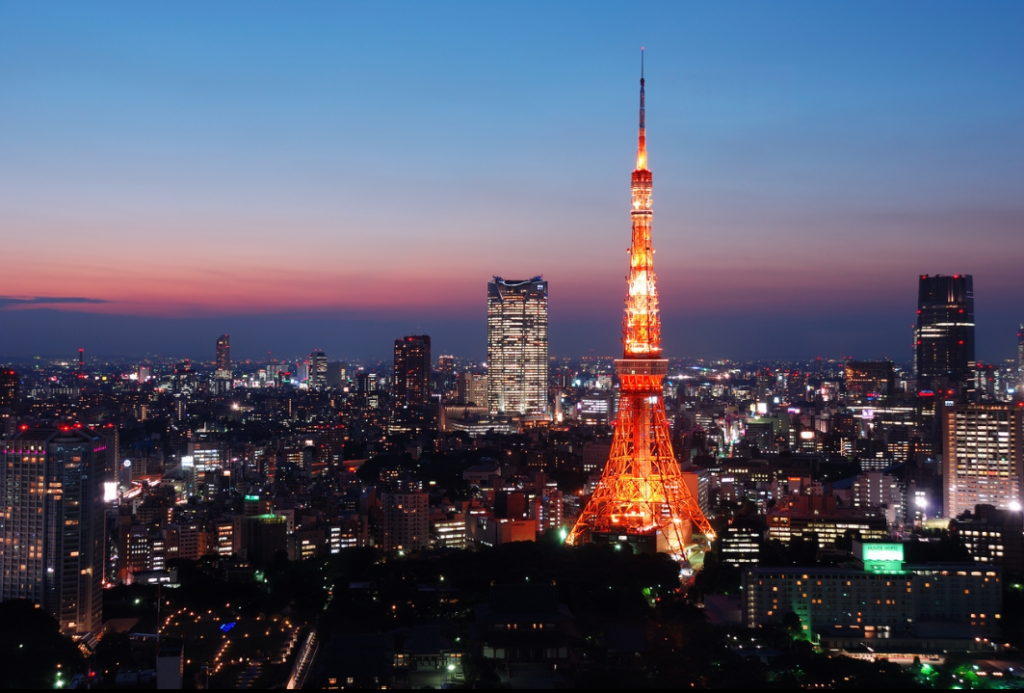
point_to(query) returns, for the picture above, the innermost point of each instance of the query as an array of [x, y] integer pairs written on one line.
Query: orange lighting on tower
[[642, 497]]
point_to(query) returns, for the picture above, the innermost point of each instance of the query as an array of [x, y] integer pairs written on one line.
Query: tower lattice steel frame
[[642, 490]]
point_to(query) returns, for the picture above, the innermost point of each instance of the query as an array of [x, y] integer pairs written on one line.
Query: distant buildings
[[944, 352], [51, 528], [517, 347], [870, 379], [984, 456], [412, 369]]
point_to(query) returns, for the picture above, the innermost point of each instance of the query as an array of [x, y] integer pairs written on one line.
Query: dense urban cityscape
[[434, 520]]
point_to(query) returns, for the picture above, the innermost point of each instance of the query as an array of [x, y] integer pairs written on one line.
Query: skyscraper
[[945, 332], [224, 355], [51, 528], [642, 498], [517, 346], [984, 456], [412, 369], [9, 388], [1020, 352], [317, 379]]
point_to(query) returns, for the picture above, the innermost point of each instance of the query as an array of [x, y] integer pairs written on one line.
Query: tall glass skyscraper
[[517, 347], [51, 525], [944, 352]]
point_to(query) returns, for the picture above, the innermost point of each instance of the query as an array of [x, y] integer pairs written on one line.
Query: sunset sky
[[335, 175]]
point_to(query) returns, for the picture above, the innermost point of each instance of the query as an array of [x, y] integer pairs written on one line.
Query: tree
[[32, 649]]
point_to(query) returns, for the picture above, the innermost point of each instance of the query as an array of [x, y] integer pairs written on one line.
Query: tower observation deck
[[642, 498]]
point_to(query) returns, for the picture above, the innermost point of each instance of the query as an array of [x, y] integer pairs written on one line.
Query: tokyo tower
[[642, 498]]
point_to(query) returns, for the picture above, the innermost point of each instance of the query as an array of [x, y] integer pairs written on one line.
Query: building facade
[[51, 526], [983, 457], [870, 379], [992, 536], [317, 371], [224, 355], [880, 598], [9, 388], [1020, 353], [406, 522], [944, 349], [517, 347], [412, 369]]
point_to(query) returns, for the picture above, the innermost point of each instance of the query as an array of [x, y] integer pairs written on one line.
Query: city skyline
[[301, 446], [806, 182]]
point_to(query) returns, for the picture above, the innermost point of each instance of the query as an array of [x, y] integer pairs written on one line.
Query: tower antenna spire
[[642, 109], [641, 149], [642, 497]]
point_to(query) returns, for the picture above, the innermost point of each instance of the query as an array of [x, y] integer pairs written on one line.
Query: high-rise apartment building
[[944, 352], [984, 456], [224, 355], [317, 378], [412, 369], [406, 522], [517, 346], [51, 525]]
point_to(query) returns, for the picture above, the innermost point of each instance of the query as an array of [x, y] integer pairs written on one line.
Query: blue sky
[[357, 172]]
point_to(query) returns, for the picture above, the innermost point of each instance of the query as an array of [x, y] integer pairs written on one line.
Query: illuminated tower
[[642, 498]]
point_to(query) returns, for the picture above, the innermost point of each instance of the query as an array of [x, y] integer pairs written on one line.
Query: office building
[[51, 526], [317, 377], [740, 542], [870, 379], [337, 375], [412, 369], [472, 389], [992, 536], [517, 347], [983, 458], [820, 518], [944, 350]]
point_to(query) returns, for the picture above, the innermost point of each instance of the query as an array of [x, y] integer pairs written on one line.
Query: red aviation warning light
[[642, 497]]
